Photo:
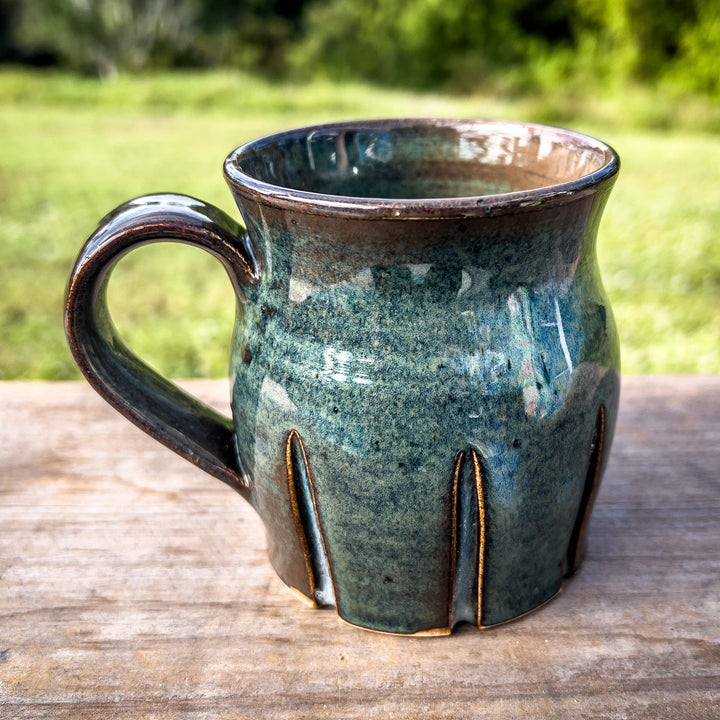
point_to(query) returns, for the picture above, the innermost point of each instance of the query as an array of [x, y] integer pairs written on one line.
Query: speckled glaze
[[425, 368]]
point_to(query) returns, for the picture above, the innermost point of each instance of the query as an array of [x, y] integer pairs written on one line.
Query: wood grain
[[132, 585]]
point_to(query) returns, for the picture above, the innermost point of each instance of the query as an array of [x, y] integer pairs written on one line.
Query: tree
[[105, 36]]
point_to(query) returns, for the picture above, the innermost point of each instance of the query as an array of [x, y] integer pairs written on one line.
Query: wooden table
[[134, 586]]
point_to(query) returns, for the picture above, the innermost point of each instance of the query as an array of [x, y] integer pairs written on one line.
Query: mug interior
[[406, 160]]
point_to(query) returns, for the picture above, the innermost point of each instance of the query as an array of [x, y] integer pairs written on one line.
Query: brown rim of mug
[[305, 201]]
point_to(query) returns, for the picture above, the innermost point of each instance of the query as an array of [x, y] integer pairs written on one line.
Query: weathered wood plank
[[134, 586]]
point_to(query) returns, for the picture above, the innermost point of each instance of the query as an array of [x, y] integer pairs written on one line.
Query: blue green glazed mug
[[425, 366]]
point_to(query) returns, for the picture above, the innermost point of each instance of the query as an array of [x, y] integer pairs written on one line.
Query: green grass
[[74, 148]]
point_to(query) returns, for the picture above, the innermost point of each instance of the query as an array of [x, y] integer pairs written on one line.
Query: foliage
[[104, 36], [635, 37], [419, 44], [253, 35], [511, 46], [698, 64]]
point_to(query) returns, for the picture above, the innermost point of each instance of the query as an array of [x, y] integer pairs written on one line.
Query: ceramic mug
[[425, 366]]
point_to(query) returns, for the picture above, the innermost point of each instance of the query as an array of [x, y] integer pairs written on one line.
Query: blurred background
[[104, 100]]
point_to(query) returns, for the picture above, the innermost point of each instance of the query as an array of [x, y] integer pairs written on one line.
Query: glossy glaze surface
[[395, 347], [425, 365]]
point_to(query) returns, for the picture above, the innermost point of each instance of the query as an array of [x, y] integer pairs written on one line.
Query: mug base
[[431, 632]]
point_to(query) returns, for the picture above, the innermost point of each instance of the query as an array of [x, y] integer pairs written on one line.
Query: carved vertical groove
[[454, 539], [307, 523], [295, 507], [482, 528], [468, 540], [589, 490]]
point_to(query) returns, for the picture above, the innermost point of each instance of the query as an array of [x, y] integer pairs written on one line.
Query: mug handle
[[159, 407]]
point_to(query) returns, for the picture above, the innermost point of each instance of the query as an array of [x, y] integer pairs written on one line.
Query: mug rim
[[315, 203]]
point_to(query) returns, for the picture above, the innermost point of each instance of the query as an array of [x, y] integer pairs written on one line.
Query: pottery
[[424, 367]]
